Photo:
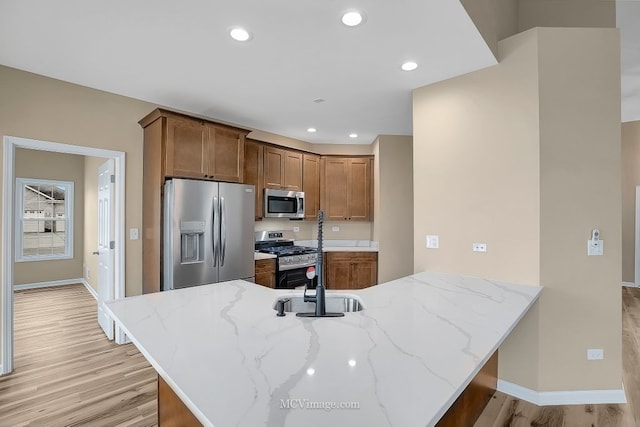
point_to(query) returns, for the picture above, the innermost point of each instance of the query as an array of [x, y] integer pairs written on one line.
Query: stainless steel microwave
[[283, 204]]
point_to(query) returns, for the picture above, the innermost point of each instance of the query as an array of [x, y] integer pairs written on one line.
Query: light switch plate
[[134, 234], [296, 229], [432, 241], [595, 247]]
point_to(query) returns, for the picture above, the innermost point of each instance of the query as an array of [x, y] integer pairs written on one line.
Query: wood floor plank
[[507, 411], [66, 371]]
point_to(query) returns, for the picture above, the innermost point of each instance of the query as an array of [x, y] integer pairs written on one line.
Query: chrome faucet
[[319, 297]]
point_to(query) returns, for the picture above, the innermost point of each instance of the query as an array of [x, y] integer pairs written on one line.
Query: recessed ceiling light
[[239, 34], [353, 135], [311, 130], [352, 18], [409, 66]]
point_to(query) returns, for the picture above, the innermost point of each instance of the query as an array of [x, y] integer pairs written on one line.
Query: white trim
[[8, 199], [6, 291], [48, 284], [92, 291], [573, 397], [630, 284]]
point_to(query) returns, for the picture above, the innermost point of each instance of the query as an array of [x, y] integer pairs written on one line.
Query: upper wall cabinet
[[347, 188], [194, 148], [282, 169], [311, 184], [253, 171]]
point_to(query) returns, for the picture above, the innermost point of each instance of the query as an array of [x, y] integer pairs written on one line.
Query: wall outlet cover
[[479, 247], [296, 229], [595, 354], [595, 247], [335, 228]]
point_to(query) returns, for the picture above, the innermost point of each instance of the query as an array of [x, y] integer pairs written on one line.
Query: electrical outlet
[[335, 228], [432, 241], [296, 229], [595, 354], [479, 247], [595, 247], [88, 273]]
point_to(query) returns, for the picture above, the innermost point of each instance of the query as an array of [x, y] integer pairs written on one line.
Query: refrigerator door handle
[[214, 229], [223, 230]]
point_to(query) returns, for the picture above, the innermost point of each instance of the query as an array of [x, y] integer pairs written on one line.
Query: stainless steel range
[[292, 261]]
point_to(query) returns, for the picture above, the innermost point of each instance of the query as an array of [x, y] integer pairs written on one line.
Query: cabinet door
[[225, 154], [311, 185], [334, 188], [185, 148], [273, 167], [253, 171], [337, 271], [359, 189], [364, 271], [292, 171], [265, 271]]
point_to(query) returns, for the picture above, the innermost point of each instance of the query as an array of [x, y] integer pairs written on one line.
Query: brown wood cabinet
[[253, 171], [311, 184], [180, 146], [266, 272], [350, 270], [346, 188], [282, 169]]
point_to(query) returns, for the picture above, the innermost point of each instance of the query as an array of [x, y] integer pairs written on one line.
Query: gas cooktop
[[288, 250]]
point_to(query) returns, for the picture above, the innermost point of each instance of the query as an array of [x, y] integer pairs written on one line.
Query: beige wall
[[630, 179], [393, 206], [308, 230], [566, 13], [503, 156], [494, 19], [61, 167], [580, 190], [90, 261], [45, 109]]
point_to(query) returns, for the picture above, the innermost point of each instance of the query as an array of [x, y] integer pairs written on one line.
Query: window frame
[[21, 183]]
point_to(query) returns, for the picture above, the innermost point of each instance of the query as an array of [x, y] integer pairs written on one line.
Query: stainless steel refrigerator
[[208, 232]]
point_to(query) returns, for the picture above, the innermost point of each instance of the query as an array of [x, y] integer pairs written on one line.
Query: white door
[[106, 237]]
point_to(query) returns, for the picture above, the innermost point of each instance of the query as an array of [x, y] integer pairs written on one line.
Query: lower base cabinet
[[350, 270], [172, 412], [266, 272]]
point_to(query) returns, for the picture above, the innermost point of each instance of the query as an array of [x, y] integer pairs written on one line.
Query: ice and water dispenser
[[192, 241]]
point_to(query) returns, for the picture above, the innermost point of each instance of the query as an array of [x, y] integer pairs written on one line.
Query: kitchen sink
[[336, 303]]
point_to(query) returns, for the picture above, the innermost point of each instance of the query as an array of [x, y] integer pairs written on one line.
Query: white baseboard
[[90, 289], [630, 284], [62, 282], [572, 397]]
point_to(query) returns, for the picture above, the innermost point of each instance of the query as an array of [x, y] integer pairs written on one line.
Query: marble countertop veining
[[403, 359]]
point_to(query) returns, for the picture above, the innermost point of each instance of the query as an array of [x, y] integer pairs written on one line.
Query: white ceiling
[[178, 54]]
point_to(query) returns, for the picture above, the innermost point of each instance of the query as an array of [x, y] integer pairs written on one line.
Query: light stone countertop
[[261, 255], [342, 245], [404, 358]]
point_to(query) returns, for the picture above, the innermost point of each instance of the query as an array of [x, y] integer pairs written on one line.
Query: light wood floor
[[66, 372], [507, 411]]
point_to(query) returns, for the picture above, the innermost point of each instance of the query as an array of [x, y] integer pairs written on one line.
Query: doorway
[[10, 144]]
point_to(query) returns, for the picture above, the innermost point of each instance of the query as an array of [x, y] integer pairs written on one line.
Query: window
[[44, 219]]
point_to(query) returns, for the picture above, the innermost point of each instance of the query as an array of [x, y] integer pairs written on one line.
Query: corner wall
[[509, 156], [393, 206], [630, 179]]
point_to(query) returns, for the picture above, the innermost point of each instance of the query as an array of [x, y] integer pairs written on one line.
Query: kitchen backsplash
[[308, 230]]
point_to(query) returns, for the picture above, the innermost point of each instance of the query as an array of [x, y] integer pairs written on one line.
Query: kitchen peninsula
[[402, 361]]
